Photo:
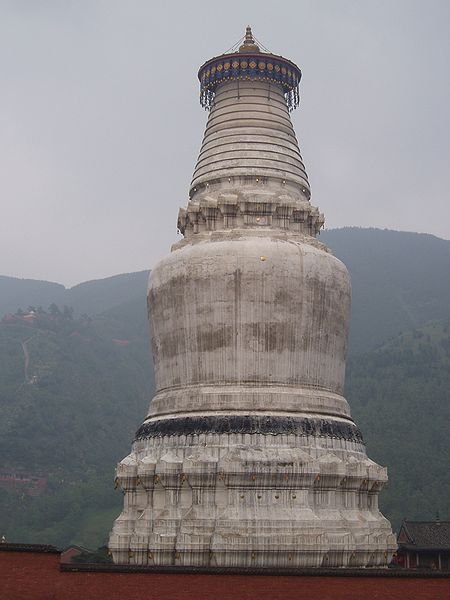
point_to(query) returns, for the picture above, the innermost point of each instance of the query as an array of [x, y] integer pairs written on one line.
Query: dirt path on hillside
[[27, 357]]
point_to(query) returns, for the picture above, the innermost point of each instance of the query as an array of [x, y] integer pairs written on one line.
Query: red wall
[[36, 576]]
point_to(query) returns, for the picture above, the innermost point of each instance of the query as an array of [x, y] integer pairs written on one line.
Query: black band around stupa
[[265, 425]]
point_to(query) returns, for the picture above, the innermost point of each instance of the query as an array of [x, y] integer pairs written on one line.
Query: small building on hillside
[[31, 485], [424, 544]]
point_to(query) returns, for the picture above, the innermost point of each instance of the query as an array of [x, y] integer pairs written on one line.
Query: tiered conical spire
[[253, 136], [250, 170]]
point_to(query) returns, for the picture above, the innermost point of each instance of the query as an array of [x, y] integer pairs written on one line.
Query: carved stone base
[[251, 500]]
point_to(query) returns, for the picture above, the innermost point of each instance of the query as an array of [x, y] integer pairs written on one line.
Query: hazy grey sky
[[100, 123]]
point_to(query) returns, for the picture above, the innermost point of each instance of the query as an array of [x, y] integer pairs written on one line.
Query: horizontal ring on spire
[[259, 67]]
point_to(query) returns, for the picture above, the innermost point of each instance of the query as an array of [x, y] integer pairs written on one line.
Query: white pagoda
[[248, 456]]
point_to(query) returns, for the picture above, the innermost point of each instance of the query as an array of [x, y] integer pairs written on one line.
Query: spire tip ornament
[[249, 46]]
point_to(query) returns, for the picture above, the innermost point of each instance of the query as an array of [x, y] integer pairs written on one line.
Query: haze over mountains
[[74, 385], [399, 280], [91, 297]]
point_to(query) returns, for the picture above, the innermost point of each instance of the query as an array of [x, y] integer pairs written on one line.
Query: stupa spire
[[250, 159]]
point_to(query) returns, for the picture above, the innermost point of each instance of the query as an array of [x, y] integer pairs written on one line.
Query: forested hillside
[[400, 398], [400, 280], [73, 392], [75, 382], [91, 297]]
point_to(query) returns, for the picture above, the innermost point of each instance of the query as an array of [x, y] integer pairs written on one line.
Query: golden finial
[[249, 46]]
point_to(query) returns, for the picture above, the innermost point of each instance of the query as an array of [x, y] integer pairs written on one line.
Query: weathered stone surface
[[248, 455]]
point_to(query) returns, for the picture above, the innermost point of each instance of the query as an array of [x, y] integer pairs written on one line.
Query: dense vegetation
[[75, 381], [400, 398], [400, 280], [67, 414]]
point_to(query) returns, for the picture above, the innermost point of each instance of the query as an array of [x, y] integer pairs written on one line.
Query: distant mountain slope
[[90, 297], [72, 394], [75, 389], [400, 397], [97, 296], [20, 293], [400, 280]]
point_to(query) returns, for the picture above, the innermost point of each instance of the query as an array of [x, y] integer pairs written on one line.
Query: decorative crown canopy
[[249, 63]]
